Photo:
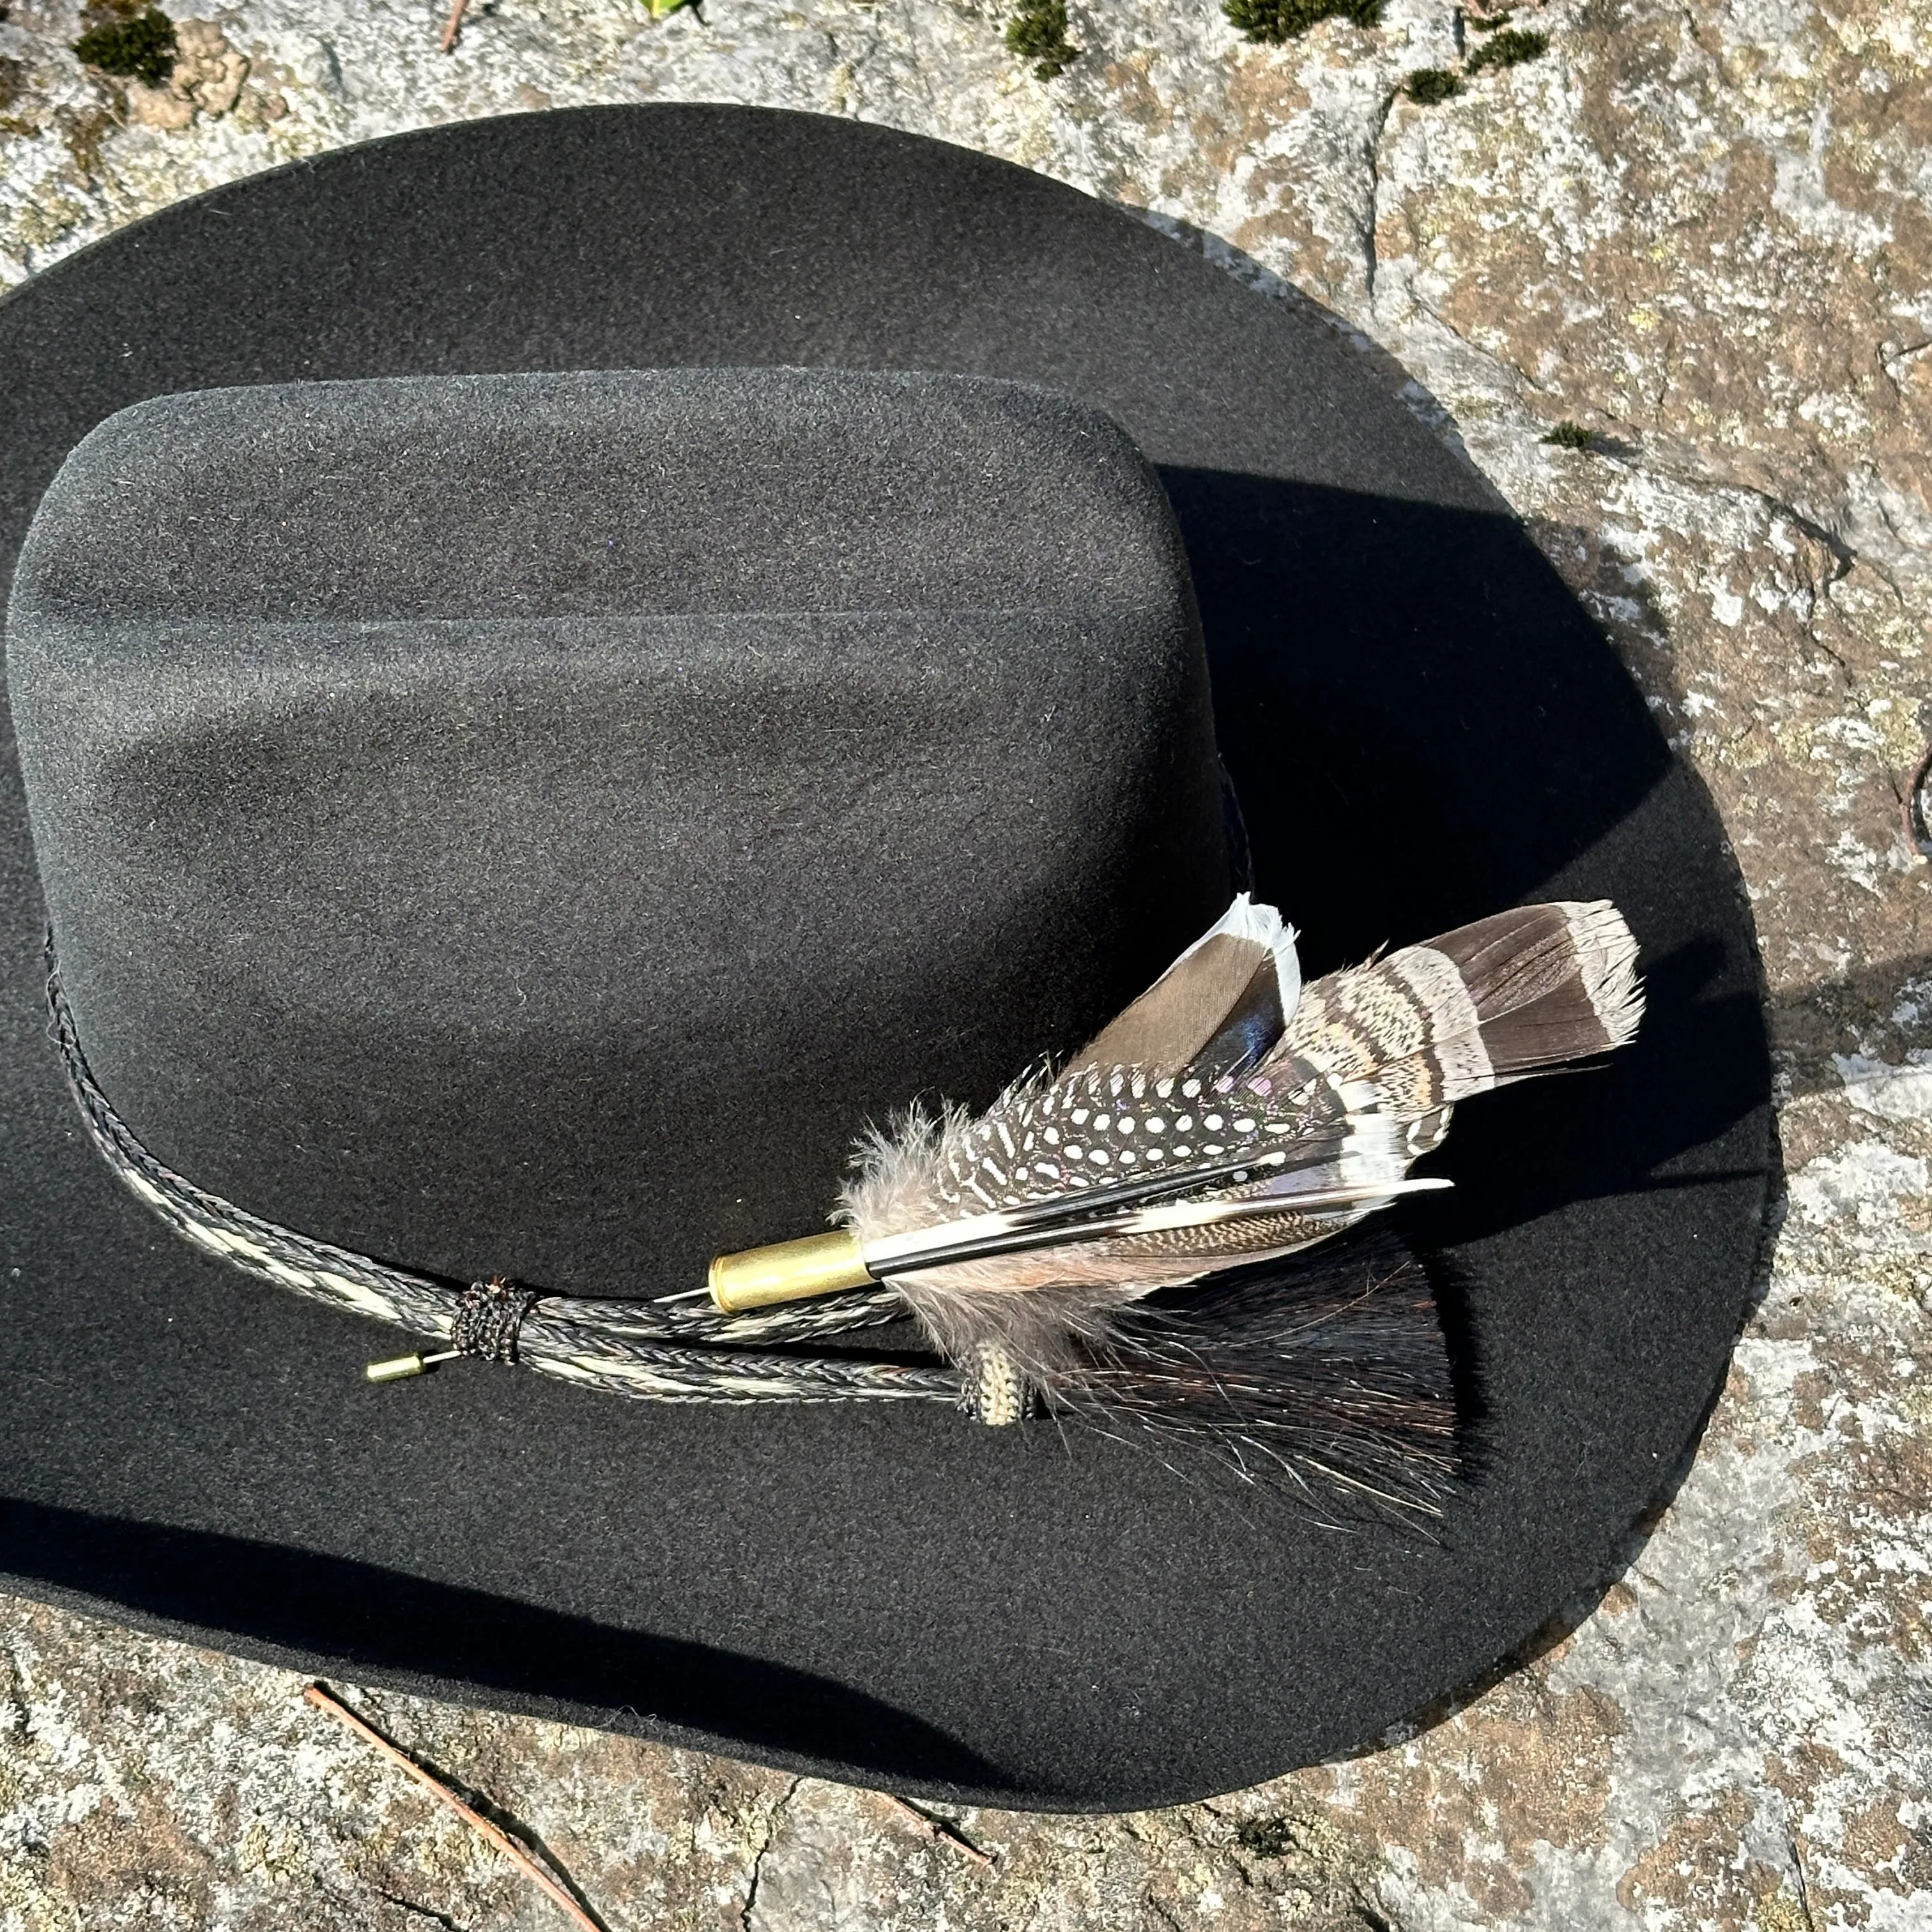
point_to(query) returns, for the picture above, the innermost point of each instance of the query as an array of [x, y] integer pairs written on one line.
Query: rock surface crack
[[1370, 259], [776, 1813], [413, 1910]]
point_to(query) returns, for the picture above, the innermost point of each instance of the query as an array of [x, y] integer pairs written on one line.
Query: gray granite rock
[[1700, 232]]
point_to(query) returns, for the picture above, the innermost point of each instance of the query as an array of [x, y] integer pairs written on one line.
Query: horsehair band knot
[[995, 1388], [489, 1318]]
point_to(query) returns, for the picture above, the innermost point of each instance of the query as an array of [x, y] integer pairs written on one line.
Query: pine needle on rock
[[326, 1700]]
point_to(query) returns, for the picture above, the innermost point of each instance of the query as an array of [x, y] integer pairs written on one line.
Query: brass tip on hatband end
[[399, 1368], [788, 1271]]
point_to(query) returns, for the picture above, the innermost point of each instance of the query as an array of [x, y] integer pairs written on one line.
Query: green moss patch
[[1278, 20], [141, 48], [1429, 86], [1568, 435], [1038, 33], [1510, 47]]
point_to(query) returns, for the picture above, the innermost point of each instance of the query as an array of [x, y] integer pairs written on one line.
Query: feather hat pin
[[1228, 1120]]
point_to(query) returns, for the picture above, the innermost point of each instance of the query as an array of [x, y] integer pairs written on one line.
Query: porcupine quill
[[1229, 1118]]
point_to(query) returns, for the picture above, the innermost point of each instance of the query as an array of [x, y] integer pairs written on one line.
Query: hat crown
[[529, 824], [600, 494]]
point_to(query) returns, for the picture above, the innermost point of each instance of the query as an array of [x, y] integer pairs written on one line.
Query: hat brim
[[1423, 725]]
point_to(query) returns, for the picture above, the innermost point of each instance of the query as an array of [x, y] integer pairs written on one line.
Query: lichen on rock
[[205, 79]]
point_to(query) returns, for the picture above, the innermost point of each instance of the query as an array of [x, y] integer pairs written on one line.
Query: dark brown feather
[[1549, 983], [1220, 1005]]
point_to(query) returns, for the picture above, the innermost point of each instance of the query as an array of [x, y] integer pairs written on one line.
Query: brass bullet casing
[[788, 1271]]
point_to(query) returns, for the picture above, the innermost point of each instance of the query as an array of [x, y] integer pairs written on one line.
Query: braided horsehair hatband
[[672, 1351]]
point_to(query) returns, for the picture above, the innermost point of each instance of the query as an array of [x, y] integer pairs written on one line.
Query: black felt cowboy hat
[[1421, 723]]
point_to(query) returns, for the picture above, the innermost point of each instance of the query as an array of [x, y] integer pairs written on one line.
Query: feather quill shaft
[[983, 1235]]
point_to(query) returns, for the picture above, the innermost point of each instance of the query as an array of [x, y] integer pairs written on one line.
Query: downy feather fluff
[[1227, 1063]]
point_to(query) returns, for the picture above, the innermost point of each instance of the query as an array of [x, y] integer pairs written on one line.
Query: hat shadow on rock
[[1423, 725]]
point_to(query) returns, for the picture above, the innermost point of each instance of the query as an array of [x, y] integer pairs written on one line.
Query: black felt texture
[[532, 825], [1424, 726]]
